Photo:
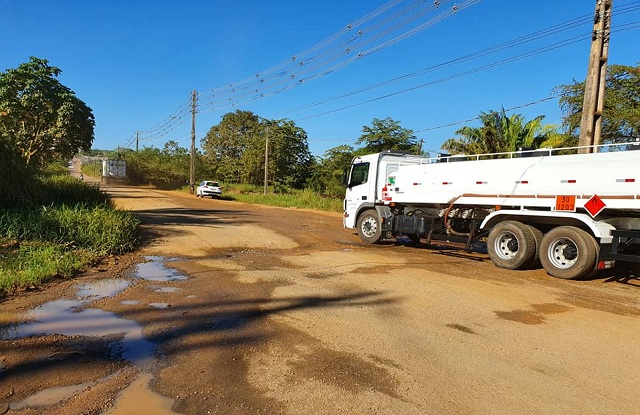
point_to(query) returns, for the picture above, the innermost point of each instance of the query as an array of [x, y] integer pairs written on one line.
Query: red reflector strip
[[568, 181], [481, 182], [625, 180], [522, 181], [445, 183], [417, 184]]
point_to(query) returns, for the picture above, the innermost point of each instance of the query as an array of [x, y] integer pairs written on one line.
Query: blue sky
[[136, 63]]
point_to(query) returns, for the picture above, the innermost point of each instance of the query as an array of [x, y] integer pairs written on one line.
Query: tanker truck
[[573, 213]]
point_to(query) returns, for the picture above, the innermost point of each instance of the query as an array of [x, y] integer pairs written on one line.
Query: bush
[[98, 229], [15, 177]]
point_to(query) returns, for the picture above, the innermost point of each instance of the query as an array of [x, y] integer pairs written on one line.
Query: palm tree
[[502, 133]]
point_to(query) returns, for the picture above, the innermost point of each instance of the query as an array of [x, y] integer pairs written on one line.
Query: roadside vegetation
[[51, 224], [292, 198]]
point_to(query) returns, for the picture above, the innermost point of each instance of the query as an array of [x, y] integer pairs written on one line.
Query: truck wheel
[[369, 226], [568, 252], [537, 236], [512, 245]]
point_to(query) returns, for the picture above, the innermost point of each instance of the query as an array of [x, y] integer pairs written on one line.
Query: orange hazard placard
[[566, 203]]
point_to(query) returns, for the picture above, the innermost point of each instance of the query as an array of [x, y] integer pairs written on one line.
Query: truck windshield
[[359, 174]]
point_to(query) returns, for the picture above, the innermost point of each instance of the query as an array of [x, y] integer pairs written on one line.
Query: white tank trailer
[[572, 213]]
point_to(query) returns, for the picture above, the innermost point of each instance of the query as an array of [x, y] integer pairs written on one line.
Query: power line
[[316, 61], [505, 61], [304, 68], [479, 117], [451, 124]]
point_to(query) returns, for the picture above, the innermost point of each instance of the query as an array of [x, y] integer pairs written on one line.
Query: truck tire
[[369, 226], [568, 252], [512, 245], [537, 236]]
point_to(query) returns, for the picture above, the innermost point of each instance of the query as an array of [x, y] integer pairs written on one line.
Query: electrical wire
[[335, 52], [553, 30], [331, 59]]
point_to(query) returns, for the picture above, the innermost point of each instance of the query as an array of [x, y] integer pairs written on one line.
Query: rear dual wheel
[[568, 252], [513, 245]]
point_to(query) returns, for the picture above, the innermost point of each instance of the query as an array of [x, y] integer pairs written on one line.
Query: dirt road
[[239, 309]]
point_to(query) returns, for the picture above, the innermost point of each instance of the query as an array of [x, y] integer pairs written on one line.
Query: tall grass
[[30, 264], [99, 229], [63, 225], [304, 199]]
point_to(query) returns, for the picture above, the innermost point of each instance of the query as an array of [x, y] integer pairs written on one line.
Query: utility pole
[[192, 166], [593, 104], [137, 140], [266, 162]]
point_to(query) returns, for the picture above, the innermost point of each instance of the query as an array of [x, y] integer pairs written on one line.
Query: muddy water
[[75, 317], [138, 399], [155, 270], [51, 396]]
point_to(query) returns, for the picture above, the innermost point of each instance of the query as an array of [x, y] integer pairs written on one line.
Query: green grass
[[93, 169], [302, 199], [27, 265], [59, 231], [99, 229]]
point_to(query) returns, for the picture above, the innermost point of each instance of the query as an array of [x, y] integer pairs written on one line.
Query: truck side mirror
[[345, 177]]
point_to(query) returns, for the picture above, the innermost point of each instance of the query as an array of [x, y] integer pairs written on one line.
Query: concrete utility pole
[[593, 104], [194, 105], [137, 140]]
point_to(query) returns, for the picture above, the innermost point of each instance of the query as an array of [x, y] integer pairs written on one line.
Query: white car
[[209, 188]]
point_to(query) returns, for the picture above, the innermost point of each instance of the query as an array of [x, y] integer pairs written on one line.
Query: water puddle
[[155, 270], [130, 302], [102, 288], [165, 289], [70, 318], [138, 398], [75, 317], [50, 396]]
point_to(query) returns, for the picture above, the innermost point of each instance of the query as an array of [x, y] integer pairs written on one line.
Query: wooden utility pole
[[266, 162], [194, 106], [593, 104]]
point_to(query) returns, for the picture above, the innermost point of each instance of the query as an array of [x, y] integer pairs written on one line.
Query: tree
[[167, 168], [328, 171], [42, 117], [225, 144], [386, 134], [289, 157], [501, 133], [621, 115], [236, 149], [173, 148]]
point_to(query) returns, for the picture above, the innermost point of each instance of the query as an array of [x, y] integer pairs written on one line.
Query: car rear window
[[214, 184]]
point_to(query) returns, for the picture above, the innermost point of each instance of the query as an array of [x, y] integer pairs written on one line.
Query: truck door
[[360, 191]]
